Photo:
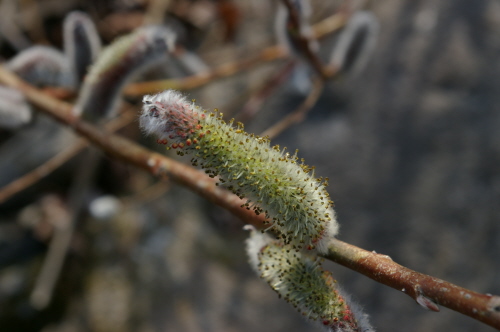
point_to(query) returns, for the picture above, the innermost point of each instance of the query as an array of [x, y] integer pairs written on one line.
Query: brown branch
[[426, 290], [422, 288]]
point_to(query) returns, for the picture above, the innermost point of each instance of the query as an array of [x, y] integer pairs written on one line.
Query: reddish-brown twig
[[299, 114], [423, 288], [426, 290]]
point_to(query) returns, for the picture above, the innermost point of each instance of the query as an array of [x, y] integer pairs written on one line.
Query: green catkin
[[273, 181], [299, 278]]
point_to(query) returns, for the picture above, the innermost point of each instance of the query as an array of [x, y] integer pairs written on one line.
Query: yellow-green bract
[[273, 182]]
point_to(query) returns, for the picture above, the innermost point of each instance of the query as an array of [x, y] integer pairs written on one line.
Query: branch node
[[424, 301]]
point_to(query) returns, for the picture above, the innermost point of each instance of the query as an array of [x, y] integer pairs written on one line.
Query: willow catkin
[[273, 181], [300, 279]]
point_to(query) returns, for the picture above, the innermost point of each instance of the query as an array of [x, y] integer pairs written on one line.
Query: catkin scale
[[273, 181]]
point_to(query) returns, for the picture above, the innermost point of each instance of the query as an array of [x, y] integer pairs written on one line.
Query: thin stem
[[303, 42], [299, 114], [190, 82], [422, 288], [252, 106], [331, 24], [56, 161], [61, 241]]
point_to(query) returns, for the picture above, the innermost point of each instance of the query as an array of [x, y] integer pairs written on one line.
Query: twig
[[271, 53], [61, 241], [41, 171], [299, 114], [303, 42], [51, 268], [251, 107], [423, 288], [58, 214], [426, 290], [55, 162], [195, 81], [330, 24]]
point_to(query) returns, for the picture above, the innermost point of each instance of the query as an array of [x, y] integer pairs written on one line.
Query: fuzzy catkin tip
[[273, 181]]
